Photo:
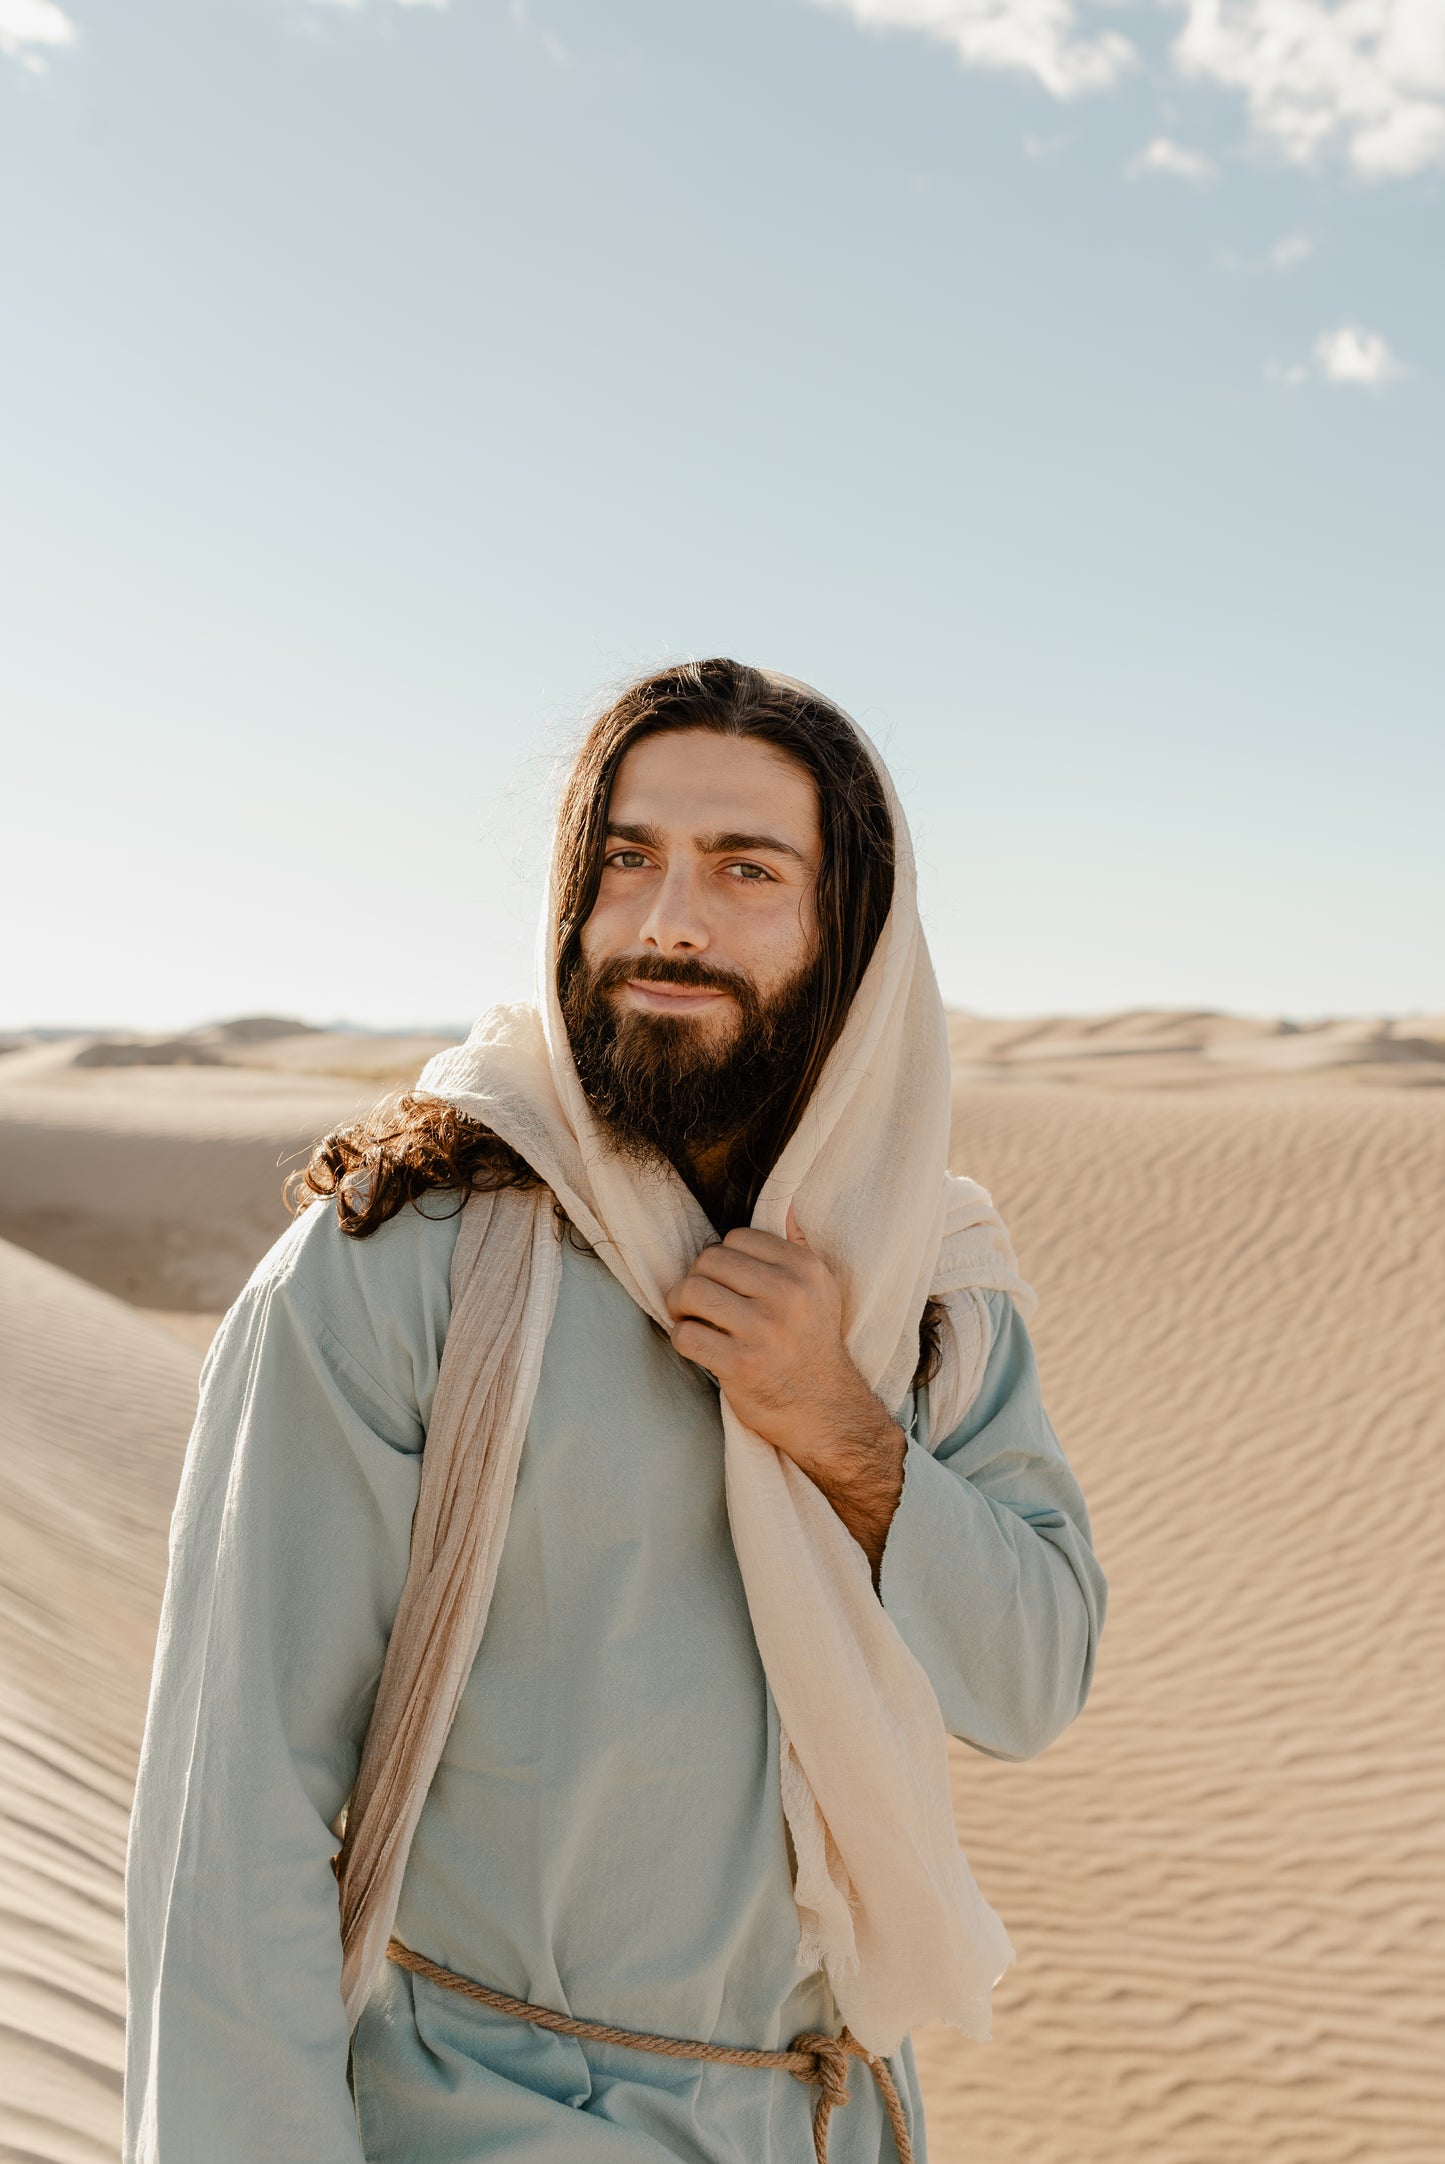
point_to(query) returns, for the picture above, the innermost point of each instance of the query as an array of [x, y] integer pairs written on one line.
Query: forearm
[[859, 1468], [1001, 1610]]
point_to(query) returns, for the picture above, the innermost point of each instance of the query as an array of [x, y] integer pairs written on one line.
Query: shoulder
[[315, 1262], [1003, 1317], [976, 1250], [383, 1301], [1010, 1348]]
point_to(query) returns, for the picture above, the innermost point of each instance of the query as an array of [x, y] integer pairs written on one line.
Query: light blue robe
[[604, 1835]]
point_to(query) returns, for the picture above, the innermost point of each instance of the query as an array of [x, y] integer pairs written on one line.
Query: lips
[[673, 998]]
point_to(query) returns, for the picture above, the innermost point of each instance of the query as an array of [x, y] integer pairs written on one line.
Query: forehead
[[690, 782]]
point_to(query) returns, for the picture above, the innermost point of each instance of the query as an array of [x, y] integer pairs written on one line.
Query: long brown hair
[[412, 1145]]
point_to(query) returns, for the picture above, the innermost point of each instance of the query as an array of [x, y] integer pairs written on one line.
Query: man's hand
[[765, 1317]]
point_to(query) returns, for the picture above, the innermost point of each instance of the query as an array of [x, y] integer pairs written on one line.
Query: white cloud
[[1358, 79], [1164, 155], [1366, 77], [28, 23], [1350, 355], [1035, 37], [1354, 355]]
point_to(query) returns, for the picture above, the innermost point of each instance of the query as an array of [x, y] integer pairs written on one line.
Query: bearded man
[[604, 1501]]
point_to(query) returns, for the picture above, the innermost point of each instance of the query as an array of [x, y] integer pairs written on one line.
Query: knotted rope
[[810, 2057]]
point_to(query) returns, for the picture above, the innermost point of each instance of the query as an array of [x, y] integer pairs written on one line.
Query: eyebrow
[[707, 845]]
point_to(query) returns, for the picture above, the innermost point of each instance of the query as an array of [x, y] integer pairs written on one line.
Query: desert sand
[[1226, 1884]]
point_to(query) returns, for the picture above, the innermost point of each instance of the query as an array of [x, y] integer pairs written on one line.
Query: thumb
[[794, 1229]]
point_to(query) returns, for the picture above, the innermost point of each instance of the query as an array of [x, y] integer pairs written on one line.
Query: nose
[[674, 921]]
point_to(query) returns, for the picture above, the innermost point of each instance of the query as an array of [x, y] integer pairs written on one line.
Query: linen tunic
[[604, 1834]]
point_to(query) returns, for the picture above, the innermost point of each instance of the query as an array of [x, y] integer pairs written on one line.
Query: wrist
[[848, 1438]]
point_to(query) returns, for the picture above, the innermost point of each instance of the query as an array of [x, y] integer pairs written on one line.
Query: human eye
[[751, 875], [616, 857]]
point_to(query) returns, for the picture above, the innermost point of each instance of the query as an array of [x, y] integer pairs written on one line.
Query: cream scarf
[[886, 1903]]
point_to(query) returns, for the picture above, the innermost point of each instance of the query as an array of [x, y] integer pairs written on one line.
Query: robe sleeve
[[288, 1551], [988, 1569]]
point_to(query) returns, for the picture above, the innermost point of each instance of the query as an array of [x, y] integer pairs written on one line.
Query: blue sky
[[1058, 386]]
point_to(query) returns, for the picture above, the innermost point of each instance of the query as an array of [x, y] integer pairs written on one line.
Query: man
[[639, 1721]]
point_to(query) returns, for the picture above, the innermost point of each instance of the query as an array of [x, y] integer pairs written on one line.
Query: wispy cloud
[[1033, 37], [1359, 79], [27, 26], [1350, 355], [1290, 251], [1286, 254], [1164, 155], [554, 48]]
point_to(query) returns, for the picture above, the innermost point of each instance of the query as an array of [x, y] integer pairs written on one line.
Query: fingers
[[704, 1346], [703, 1299], [741, 1272], [748, 1240], [788, 1254]]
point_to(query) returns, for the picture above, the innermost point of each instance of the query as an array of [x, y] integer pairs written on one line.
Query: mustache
[[693, 976]]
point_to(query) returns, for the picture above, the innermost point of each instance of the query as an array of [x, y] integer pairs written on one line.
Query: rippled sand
[[1226, 1884]]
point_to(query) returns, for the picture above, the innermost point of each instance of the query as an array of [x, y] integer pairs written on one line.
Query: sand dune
[[93, 1418], [1227, 1884], [161, 1184]]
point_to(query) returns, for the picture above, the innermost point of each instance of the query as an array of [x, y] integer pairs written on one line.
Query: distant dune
[[1226, 1884], [159, 1178], [1198, 1050]]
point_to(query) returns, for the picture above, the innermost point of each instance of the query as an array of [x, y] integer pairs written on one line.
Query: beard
[[663, 1086]]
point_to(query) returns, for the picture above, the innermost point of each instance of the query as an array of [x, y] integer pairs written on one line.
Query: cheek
[[780, 940], [604, 932]]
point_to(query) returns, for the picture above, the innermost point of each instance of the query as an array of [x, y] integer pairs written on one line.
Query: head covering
[[886, 1903]]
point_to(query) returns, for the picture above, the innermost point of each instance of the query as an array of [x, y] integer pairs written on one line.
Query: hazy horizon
[[344, 1025]]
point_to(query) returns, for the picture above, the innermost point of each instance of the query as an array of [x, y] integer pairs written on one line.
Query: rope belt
[[809, 2058]]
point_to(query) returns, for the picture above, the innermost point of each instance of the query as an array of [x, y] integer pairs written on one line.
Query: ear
[[794, 1229]]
